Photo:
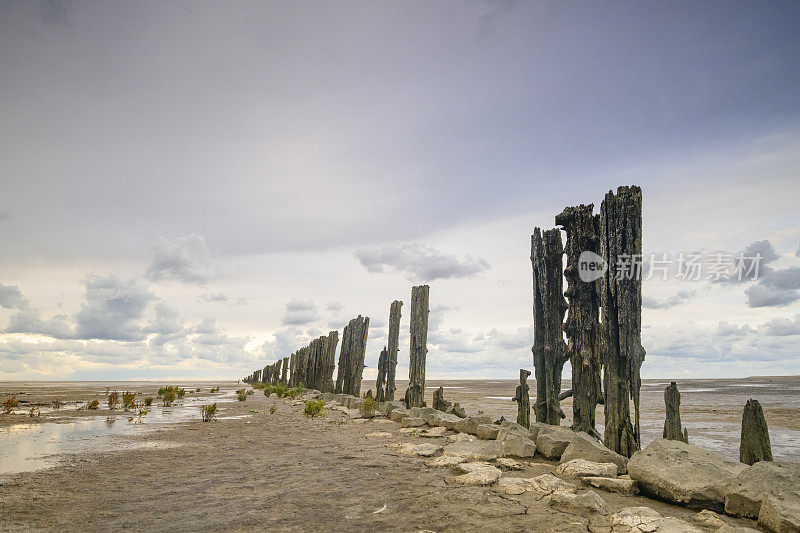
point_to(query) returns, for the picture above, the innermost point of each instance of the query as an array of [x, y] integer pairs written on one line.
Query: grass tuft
[[209, 412], [93, 405], [113, 400], [369, 406], [241, 395], [313, 408], [10, 404]]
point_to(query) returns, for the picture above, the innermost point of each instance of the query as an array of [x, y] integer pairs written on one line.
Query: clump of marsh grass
[[113, 400], [10, 404], [168, 397], [57, 404], [34, 412], [214, 389], [273, 408], [241, 395], [250, 391], [313, 408], [93, 405], [128, 400], [209, 412], [148, 401]]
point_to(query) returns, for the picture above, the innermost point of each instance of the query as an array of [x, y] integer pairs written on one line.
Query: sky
[[196, 189]]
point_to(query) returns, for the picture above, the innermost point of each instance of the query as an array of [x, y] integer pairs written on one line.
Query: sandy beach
[[252, 469]]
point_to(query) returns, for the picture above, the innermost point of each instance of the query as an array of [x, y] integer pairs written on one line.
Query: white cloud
[[299, 312], [184, 259], [420, 262]]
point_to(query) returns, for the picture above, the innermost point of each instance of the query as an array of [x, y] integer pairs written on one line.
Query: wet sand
[[256, 470]]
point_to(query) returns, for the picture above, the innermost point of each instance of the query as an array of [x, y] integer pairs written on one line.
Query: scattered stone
[[412, 422], [479, 474], [408, 431], [423, 450], [646, 520], [476, 450], [754, 444], [754, 483], [447, 460], [539, 486], [518, 446], [584, 446], [584, 468], [397, 415], [510, 428], [378, 435], [460, 437], [458, 411], [439, 402], [553, 444], [708, 518], [613, 484], [487, 431], [446, 420], [434, 432], [470, 424], [682, 473], [579, 504], [780, 515], [509, 464], [466, 468]]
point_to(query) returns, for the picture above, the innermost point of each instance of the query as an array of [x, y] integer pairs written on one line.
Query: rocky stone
[[408, 431], [435, 432], [423, 450], [754, 483], [552, 445], [518, 446], [539, 486], [477, 474], [510, 428], [460, 437], [467, 467], [584, 446], [397, 415], [613, 484], [378, 435], [447, 460], [475, 450], [471, 423], [646, 520], [580, 504], [584, 468], [487, 431], [446, 420], [508, 463], [708, 518], [682, 473], [780, 515], [412, 422]]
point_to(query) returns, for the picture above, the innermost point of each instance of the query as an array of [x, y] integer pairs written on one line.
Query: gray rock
[[397, 415], [510, 428], [446, 420], [754, 483], [422, 412], [518, 446], [708, 518], [412, 422], [584, 446], [580, 504], [645, 519], [539, 487], [682, 473], [485, 474], [584, 468], [470, 424], [487, 431], [552, 444], [475, 450], [780, 515], [436, 432], [423, 450], [613, 484]]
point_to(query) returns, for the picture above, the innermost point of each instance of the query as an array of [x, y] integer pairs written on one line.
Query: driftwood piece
[[672, 424], [393, 348], [621, 327], [439, 403], [583, 317], [415, 395], [523, 399], [549, 349], [755, 444]]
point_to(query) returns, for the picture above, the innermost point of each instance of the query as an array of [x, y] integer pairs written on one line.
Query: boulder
[[510, 428], [474, 450], [397, 415], [447, 460], [681, 473], [470, 424], [460, 437], [518, 446], [584, 468], [754, 483], [709, 519], [551, 444], [580, 504], [466, 468], [584, 446], [434, 432], [480, 474], [412, 422], [781, 515], [442, 419], [539, 486], [423, 450], [487, 431], [644, 519], [613, 484], [422, 412], [509, 464]]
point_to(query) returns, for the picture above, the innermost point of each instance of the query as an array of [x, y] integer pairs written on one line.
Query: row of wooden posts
[[312, 366]]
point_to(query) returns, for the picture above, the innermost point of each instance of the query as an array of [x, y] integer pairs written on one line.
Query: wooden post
[[755, 444], [415, 395], [672, 424], [393, 347], [523, 399], [380, 384]]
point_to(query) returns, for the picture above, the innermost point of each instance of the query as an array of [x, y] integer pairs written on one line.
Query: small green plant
[[113, 400], [197, 389], [241, 395], [250, 391], [214, 389], [10, 404], [368, 408], [34, 412], [128, 400], [93, 405], [180, 392], [168, 397], [273, 408], [295, 391], [209, 412], [139, 408], [148, 401], [313, 408]]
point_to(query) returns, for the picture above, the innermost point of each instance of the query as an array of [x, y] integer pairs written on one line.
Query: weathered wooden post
[[439, 403], [549, 349], [293, 369], [285, 371], [672, 424], [523, 399], [755, 444], [329, 361], [351, 357], [583, 318], [415, 395], [621, 328], [393, 348], [380, 384]]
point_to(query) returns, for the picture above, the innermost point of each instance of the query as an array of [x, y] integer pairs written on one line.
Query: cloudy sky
[[193, 190]]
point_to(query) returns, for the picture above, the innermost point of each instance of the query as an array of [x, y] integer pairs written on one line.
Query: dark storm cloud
[[185, 259], [419, 262], [681, 297], [11, 298], [299, 312]]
